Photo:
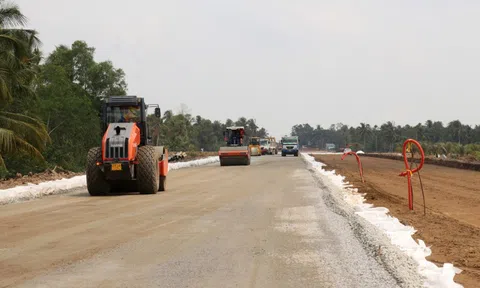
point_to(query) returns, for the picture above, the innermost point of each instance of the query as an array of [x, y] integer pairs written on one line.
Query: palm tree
[[252, 127], [419, 132], [19, 58], [242, 121], [454, 129], [19, 50], [10, 17], [390, 134], [318, 135], [16, 77], [229, 123], [345, 133], [375, 133], [364, 131], [12, 37], [262, 133], [18, 132]]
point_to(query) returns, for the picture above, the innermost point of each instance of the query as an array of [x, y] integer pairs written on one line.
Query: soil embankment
[[452, 224]]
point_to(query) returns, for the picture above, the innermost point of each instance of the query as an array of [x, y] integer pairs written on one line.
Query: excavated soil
[[467, 163], [451, 226]]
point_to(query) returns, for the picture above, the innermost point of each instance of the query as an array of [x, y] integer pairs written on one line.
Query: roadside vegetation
[[455, 140], [50, 104]]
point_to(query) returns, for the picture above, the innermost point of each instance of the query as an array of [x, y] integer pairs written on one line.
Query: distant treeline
[[453, 138], [183, 132]]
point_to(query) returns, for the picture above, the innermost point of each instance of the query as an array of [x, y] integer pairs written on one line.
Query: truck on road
[[290, 145], [268, 146], [265, 146], [273, 145]]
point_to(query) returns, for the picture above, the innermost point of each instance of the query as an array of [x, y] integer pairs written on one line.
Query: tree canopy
[[20, 133], [182, 131]]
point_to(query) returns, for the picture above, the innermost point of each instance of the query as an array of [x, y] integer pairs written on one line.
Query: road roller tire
[[96, 183], [148, 174]]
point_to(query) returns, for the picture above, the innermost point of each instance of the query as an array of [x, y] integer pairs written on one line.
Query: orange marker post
[[360, 168], [408, 172]]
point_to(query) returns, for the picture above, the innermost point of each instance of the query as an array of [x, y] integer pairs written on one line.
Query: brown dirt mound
[[460, 164], [452, 223]]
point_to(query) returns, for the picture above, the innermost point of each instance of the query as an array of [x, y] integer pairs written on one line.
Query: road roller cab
[[126, 160]]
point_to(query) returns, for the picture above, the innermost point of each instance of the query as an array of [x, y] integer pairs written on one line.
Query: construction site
[[451, 226], [257, 144], [128, 163], [295, 199]]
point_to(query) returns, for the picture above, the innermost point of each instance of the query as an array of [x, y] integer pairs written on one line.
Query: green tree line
[[436, 138], [50, 105], [183, 132]]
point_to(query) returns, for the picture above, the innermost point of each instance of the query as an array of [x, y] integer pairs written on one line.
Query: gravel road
[[264, 225]]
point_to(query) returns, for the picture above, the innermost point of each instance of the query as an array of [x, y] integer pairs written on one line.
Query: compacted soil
[[263, 225], [451, 226]]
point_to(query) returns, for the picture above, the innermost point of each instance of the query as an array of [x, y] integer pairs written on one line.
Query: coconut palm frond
[[10, 15], [11, 143], [28, 37], [24, 91], [2, 163], [5, 95], [27, 128], [7, 141], [19, 58], [11, 43], [27, 119], [26, 131]]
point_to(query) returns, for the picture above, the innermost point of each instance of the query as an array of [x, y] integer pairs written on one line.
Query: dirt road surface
[[452, 224], [263, 225]]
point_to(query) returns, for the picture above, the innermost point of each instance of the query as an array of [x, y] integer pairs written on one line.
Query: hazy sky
[[284, 62]]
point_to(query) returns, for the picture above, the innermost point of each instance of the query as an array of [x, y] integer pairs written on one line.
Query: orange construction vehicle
[[126, 161], [235, 152]]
